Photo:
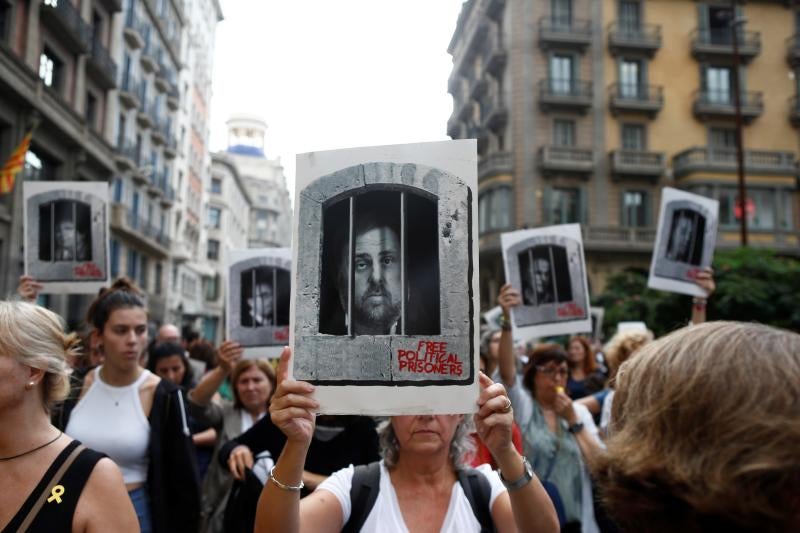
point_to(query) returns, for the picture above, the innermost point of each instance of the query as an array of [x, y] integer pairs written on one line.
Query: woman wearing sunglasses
[[560, 436]]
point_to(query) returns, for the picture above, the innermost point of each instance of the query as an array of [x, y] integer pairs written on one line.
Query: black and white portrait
[[259, 290], [597, 314], [547, 266], [385, 271], [385, 286], [66, 228], [685, 241]]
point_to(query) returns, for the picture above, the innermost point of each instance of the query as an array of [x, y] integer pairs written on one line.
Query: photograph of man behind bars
[[380, 272]]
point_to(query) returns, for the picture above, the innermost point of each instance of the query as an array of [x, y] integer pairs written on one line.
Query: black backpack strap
[[478, 491], [363, 493]]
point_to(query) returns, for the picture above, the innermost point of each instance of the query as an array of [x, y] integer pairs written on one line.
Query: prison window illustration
[[262, 301], [380, 265], [65, 231], [685, 244]]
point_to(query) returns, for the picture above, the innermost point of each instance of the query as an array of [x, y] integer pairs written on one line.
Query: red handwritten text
[[87, 270], [430, 358], [570, 310], [281, 335]]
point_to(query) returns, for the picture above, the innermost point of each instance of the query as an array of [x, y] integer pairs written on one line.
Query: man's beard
[[382, 314]]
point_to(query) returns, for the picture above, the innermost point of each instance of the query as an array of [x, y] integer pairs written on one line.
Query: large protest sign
[[66, 235], [687, 233], [385, 277], [547, 266], [259, 291]]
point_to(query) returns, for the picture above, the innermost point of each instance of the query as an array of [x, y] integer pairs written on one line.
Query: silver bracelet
[[282, 486]]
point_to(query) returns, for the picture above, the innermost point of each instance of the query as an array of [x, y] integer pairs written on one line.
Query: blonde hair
[[706, 431], [622, 346], [36, 338]]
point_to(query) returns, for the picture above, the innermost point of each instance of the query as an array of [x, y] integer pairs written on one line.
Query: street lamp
[[734, 24]]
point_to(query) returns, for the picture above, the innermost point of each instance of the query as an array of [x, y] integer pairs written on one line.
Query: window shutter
[[582, 206], [546, 207], [702, 16], [623, 210], [646, 201]]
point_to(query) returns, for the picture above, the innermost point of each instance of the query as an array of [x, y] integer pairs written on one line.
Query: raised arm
[[279, 508], [508, 298], [229, 353], [705, 279], [527, 508]]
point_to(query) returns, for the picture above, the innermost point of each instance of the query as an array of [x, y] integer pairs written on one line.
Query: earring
[[30, 385]]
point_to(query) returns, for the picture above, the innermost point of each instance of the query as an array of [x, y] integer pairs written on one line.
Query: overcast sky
[[328, 74]]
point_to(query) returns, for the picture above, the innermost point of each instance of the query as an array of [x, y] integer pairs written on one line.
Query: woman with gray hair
[[422, 484], [50, 481]]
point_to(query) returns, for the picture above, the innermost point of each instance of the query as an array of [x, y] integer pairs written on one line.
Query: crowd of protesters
[[110, 431]]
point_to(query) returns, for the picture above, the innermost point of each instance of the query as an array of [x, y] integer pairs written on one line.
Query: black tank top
[[58, 492]]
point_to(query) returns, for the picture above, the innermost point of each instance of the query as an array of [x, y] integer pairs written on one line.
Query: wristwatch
[[523, 480], [577, 427]]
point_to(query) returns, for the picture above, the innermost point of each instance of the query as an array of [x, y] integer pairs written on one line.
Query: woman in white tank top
[[129, 414]]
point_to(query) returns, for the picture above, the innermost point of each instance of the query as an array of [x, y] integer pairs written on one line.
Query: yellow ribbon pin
[[56, 494]]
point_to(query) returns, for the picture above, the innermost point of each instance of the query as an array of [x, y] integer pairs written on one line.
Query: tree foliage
[[753, 285]]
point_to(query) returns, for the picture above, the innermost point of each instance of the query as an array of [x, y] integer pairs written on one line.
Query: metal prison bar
[[533, 274], [351, 260]]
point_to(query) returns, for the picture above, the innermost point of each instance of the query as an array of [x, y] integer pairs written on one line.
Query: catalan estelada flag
[[15, 163]]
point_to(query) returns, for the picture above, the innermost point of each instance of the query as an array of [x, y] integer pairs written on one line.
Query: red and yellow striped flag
[[15, 163]]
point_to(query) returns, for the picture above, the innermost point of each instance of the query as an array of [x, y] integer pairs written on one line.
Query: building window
[[762, 209], [213, 249], [634, 209], [631, 78], [633, 137], [564, 132], [159, 275], [494, 209], [144, 274], [630, 15], [562, 74], [114, 258], [133, 264], [118, 184], [722, 138], [563, 206], [5, 20], [91, 110], [216, 186], [561, 13], [39, 167], [50, 69], [214, 217], [718, 84], [211, 287]]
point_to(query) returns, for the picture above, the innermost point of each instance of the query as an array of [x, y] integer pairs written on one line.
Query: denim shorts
[[141, 504]]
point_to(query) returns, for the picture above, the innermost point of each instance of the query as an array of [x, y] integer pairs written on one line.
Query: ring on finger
[[507, 406]]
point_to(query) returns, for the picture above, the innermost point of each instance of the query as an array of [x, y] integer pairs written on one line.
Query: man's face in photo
[[261, 305], [376, 275], [65, 234], [683, 234], [541, 275]]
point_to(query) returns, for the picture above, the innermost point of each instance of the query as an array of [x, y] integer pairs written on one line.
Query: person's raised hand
[[495, 417], [240, 459], [563, 407], [28, 288], [228, 355], [509, 297], [705, 279], [292, 406]]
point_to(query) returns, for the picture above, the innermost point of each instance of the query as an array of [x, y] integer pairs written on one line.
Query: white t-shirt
[[385, 515]]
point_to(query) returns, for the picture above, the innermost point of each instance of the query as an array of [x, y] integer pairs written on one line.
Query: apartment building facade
[[228, 222], [584, 110], [191, 277], [57, 74]]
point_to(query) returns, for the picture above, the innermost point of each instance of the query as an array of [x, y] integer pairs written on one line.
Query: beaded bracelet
[[282, 486]]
